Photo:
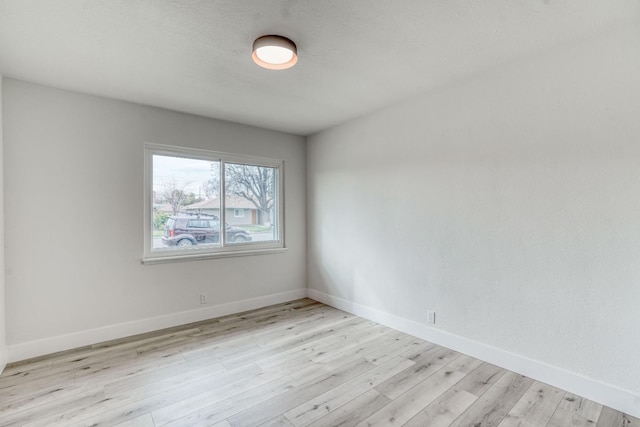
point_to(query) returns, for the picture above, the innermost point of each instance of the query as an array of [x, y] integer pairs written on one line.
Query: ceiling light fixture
[[274, 52]]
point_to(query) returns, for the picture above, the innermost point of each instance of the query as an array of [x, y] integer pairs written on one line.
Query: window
[[185, 209]]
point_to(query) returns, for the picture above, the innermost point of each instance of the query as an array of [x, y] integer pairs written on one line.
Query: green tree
[[159, 220], [190, 199]]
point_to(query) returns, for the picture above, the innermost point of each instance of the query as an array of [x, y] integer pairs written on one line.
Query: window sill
[[212, 255]]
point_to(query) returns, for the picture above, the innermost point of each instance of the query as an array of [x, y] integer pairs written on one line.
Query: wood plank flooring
[[296, 364]]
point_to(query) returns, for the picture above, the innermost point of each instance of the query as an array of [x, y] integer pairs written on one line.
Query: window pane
[[252, 190], [186, 203], [189, 209]]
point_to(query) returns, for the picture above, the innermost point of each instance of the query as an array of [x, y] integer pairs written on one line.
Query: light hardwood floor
[[296, 364]]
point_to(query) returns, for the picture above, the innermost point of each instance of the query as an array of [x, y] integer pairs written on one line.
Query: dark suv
[[193, 230]]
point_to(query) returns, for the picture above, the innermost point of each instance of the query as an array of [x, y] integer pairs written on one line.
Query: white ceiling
[[355, 56]]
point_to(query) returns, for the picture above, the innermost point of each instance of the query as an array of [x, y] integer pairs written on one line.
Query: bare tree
[[211, 187], [253, 183], [174, 194]]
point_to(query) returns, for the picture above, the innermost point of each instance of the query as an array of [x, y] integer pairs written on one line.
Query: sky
[[189, 172]]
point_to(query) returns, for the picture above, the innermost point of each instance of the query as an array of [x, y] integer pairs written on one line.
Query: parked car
[[194, 230]]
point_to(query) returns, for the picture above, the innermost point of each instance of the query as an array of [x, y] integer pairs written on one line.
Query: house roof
[[231, 202], [167, 208]]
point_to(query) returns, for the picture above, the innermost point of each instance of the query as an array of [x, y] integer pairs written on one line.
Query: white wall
[[73, 187], [528, 246], [3, 341]]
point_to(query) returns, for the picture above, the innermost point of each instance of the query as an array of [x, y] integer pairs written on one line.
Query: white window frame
[[235, 213], [151, 255]]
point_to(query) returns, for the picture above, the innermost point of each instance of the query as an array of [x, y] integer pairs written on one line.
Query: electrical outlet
[[203, 298], [431, 317]]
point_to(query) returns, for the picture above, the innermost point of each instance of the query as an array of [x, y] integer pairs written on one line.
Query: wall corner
[[3, 340]]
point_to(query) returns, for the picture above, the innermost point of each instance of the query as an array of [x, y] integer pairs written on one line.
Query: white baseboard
[[45, 346], [606, 394]]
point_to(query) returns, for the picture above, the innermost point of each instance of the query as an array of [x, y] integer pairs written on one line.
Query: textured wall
[[3, 344], [74, 185], [528, 181]]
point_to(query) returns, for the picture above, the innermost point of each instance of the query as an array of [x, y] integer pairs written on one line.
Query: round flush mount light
[[274, 52]]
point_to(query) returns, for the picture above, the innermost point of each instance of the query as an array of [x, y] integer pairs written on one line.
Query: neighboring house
[[166, 208], [238, 211]]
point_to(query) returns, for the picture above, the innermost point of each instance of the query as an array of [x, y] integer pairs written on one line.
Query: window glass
[[252, 188], [185, 193], [187, 215]]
